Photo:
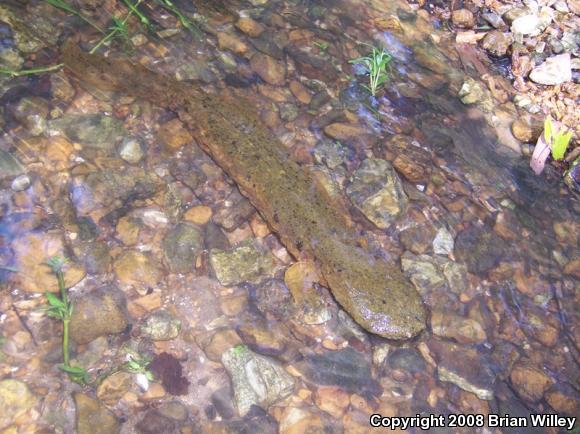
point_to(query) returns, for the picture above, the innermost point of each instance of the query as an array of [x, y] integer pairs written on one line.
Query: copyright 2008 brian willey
[[429, 421]]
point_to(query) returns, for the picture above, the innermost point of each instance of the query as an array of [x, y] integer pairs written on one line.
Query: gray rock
[[16, 399], [196, 70], [99, 313], [497, 43], [131, 150], [9, 165], [20, 183], [154, 423], [347, 368], [288, 111], [257, 380], [479, 248], [443, 242], [406, 359], [161, 326], [95, 256], [93, 417], [331, 153], [464, 367], [555, 70], [533, 24], [456, 275], [376, 190], [92, 130], [423, 271], [31, 29], [174, 410], [32, 112], [494, 19], [245, 263], [11, 59], [181, 246], [473, 92]]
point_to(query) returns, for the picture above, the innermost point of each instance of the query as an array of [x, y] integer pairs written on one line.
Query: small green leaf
[[54, 301], [548, 130], [560, 144]]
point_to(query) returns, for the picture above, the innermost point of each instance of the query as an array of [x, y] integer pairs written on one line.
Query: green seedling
[[61, 4], [138, 365], [134, 9], [376, 67], [183, 19], [558, 140], [32, 71], [322, 46]]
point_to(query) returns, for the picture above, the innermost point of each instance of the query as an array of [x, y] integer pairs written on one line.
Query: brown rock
[[463, 18], [220, 342], [332, 400], [527, 130], [411, 169], [93, 417], [31, 253], [174, 135], [296, 420], [529, 382], [497, 43], [268, 69], [340, 131], [199, 215], [231, 43], [300, 92], [250, 27], [563, 399], [572, 268], [463, 330], [138, 269], [112, 389], [262, 340]]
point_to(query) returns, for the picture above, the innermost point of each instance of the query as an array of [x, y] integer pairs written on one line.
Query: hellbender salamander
[[374, 293]]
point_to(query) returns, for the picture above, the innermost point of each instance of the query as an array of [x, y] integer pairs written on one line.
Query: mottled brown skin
[[374, 293]]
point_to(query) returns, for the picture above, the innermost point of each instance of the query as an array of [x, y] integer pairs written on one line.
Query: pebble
[[443, 242], [497, 43], [114, 387], [529, 382], [245, 263], [332, 399], [16, 400], [92, 417], [138, 269], [131, 150], [269, 70], [250, 27], [198, 215], [555, 70], [462, 330], [98, 313], [161, 326], [231, 43], [463, 18], [174, 135], [181, 247], [20, 183]]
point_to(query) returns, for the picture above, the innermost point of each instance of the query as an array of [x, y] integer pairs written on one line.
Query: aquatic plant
[[558, 140], [61, 4], [376, 67], [185, 21]]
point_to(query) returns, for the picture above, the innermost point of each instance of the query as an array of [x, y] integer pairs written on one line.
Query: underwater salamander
[[376, 294]]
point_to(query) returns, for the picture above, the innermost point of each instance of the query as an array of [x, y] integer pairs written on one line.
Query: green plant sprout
[[31, 71], [183, 19], [322, 46], [61, 4], [376, 67], [558, 141], [134, 9]]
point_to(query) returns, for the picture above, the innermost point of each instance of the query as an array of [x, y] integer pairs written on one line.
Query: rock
[[138, 269], [101, 190], [406, 359], [93, 417], [463, 18], [154, 423], [261, 340], [111, 390], [331, 153], [480, 249], [60, 87], [269, 70], [161, 326], [219, 343], [497, 43], [298, 420], [443, 242], [463, 330], [414, 164], [288, 111], [31, 252], [198, 215], [572, 267], [131, 150], [526, 130], [375, 189], [345, 132], [92, 130], [423, 272], [456, 275], [257, 380], [512, 14], [333, 400], [300, 91], [563, 399], [95, 256], [346, 368], [464, 367], [231, 43], [233, 212], [555, 70], [20, 183], [246, 263], [196, 69], [174, 135], [473, 92], [32, 113], [174, 410], [99, 313], [250, 27], [495, 20], [273, 299], [529, 382], [533, 24], [418, 238], [181, 246], [10, 166], [16, 400]]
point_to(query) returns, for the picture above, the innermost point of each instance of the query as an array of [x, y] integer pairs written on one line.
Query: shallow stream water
[[169, 261]]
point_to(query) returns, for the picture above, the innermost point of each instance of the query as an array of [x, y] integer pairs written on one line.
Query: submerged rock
[[161, 326], [555, 70], [32, 113], [93, 417], [138, 269], [480, 249], [245, 263], [99, 313], [16, 399], [181, 246], [375, 189], [9, 165], [93, 130], [257, 380]]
